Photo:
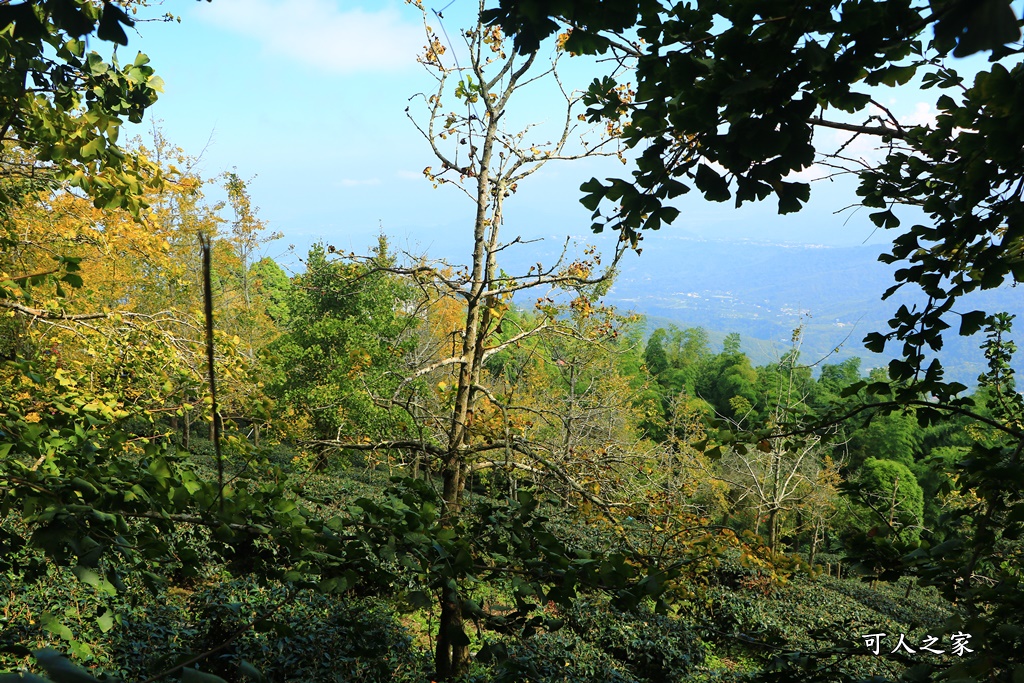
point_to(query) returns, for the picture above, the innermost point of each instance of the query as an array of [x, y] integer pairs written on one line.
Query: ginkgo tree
[[62, 108], [578, 397], [128, 318]]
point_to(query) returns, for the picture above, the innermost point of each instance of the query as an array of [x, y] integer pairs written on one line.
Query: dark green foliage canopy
[[268, 277], [728, 97], [894, 437]]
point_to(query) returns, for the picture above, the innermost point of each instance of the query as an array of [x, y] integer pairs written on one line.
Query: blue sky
[[308, 98]]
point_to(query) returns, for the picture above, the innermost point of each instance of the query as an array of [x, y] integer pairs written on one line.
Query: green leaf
[[105, 621], [595, 192], [251, 672], [15, 649], [746, 85], [110, 24], [418, 599], [50, 623], [60, 669], [714, 186], [194, 676], [73, 280], [458, 637], [160, 469], [792, 196], [95, 64], [87, 576], [971, 322], [852, 390], [69, 17], [92, 148], [885, 219], [978, 25], [493, 653], [874, 342], [27, 26]]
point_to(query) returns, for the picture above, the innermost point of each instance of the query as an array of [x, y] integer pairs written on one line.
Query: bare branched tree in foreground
[[482, 157]]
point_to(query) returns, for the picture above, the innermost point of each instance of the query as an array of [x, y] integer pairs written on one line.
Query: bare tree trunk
[[799, 531], [451, 655], [814, 545]]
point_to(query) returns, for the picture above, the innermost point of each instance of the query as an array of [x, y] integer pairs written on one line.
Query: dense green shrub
[[806, 614], [562, 657], [600, 643], [650, 646], [891, 497], [730, 571], [306, 636]]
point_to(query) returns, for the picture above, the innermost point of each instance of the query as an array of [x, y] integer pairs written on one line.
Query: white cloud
[[357, 182], [923, 116], [319, 33]]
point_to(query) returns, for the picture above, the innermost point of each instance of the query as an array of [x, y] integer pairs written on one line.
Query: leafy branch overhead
[[729, 96], [61, 107]]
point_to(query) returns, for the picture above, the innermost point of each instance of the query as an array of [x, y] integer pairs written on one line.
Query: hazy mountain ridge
[[764, 291]]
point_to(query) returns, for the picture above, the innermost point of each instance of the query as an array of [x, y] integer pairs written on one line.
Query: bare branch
[[490, 351], [883, 131]]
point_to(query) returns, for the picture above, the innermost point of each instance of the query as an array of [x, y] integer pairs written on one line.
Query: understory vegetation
[[733, 617]]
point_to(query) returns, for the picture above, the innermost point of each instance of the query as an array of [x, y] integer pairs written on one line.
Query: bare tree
[[486, 160]]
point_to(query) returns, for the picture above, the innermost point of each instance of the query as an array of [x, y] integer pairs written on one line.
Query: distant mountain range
[[765, 290]]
